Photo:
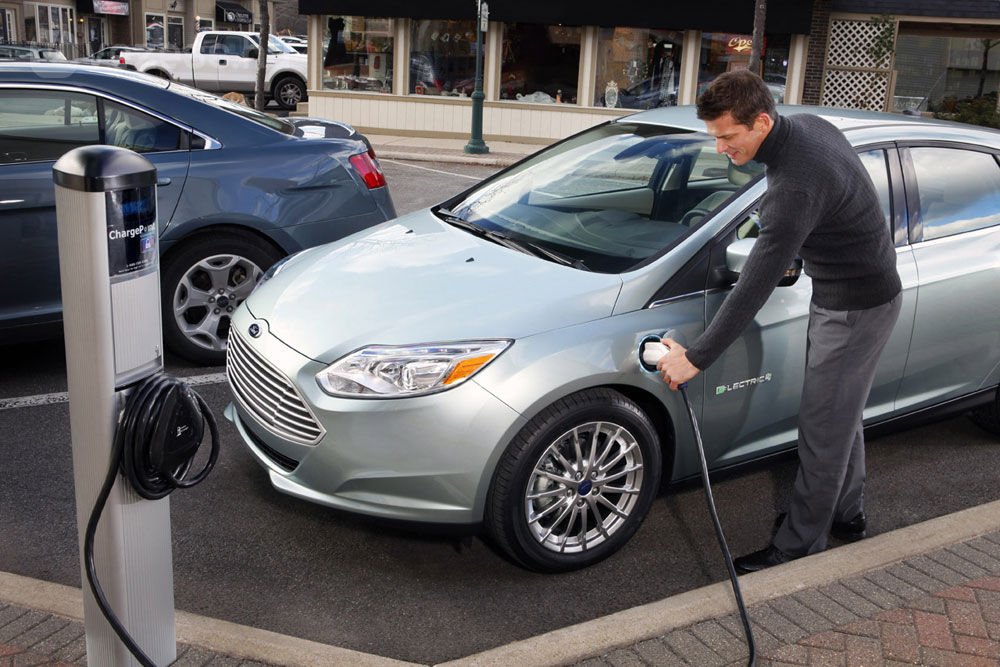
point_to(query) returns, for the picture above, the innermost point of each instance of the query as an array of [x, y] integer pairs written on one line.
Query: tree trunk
[[265, 35], [756, 45]]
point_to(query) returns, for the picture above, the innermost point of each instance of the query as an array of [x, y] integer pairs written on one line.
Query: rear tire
[[987, 417], [202, 283], [576, 482], [289, 91]]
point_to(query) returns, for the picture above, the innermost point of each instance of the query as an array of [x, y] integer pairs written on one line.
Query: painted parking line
[[63, 397], [436, 171]]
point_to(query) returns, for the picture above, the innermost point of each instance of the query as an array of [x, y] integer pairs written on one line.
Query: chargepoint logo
[[742, 384], [119, 234]]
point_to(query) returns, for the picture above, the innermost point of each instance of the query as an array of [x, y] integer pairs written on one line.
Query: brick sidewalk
[[940, 609], [29, 638]]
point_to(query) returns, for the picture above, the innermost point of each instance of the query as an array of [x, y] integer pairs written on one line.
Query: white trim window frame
[[8, 35]]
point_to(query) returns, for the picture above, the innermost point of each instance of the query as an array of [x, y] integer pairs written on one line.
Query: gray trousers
[[842, 353]]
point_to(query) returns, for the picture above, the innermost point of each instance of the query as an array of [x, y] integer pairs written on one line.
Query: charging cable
[[652, 351], [159, 433]]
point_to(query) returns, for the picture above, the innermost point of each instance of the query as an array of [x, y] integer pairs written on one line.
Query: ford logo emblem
[[254, 330]]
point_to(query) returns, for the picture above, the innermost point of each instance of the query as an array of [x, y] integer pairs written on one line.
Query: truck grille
[[265, 392]]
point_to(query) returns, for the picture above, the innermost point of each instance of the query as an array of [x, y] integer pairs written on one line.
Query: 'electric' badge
[[254, 330]]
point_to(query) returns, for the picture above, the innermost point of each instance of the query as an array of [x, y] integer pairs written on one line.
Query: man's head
[[738, 111]]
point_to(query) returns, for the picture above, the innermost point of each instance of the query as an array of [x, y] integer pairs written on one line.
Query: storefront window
[[637, 68], [50, 24], [540, 63], [935, 72], [175, 33], [443, 58], [357, 53], [154, 31], [205, 24], [725, 52], [8, 31]]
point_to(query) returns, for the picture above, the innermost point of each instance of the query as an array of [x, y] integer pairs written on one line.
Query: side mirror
[[736, 258], [253, 52]]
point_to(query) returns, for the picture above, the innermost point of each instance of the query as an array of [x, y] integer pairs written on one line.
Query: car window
[[875, 163], [138, 131], [42, 125], [208, 44], [959, 191]]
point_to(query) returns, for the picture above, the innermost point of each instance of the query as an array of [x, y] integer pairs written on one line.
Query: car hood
[[419, 280]]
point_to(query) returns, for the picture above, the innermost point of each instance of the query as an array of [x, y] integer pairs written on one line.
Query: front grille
[[268, 395], [286, 463]]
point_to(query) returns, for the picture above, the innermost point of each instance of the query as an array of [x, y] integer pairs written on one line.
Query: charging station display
[[132, 235]]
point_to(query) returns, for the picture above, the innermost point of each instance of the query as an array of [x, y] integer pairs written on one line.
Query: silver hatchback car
[[478, 361]]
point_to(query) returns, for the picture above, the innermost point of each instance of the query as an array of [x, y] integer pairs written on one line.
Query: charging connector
[[159, 433]]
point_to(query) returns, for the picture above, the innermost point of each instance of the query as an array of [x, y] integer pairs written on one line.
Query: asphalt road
[[247, 554]]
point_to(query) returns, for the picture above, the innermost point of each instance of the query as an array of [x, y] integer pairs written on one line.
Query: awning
[[111, 7], [230, 12], [734, 16]]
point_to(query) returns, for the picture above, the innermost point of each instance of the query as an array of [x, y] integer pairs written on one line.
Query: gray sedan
[[237, 190], [478, 361]]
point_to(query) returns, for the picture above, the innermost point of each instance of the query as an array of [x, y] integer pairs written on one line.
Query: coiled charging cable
[[651, 353], [159, 433]]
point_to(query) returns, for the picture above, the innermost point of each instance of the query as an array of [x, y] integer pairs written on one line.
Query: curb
[[498, 160], [566, 645]]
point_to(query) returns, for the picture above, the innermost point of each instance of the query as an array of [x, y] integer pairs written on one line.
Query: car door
[[237, 70], [953, 193], [36, 128], [752, 391]]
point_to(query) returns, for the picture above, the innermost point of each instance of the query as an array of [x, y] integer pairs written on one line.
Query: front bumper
[[427, 459]]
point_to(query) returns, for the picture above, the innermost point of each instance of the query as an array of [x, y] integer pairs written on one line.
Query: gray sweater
[[820, 205]]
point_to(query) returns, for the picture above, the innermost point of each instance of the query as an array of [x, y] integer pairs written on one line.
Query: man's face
[[736, 140]]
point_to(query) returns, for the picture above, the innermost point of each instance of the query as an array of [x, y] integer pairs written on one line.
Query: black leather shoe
[[845, 531], [850, 531], [761, 560]]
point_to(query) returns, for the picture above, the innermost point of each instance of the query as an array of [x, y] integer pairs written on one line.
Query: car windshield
[[277, 124], [274, 44], [608, 199]]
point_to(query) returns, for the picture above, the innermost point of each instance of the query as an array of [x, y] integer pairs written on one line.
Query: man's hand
[[674, 365]]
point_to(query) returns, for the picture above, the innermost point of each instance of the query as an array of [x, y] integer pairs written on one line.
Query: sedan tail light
[[369, 170]]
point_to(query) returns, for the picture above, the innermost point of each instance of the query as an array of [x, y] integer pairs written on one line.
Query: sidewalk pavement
[[926, 594]]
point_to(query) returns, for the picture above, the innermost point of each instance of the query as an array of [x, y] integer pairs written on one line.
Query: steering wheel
[[693, 216]]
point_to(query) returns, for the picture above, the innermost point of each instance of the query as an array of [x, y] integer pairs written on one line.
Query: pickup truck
[[226, 61]]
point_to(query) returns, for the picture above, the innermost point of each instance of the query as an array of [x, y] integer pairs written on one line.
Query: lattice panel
[[855, 90], [851, 44]]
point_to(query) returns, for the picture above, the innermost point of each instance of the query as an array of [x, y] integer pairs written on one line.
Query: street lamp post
[[476, 143]]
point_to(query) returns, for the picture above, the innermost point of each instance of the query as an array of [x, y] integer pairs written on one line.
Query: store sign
[[739, 44], [113, 7]]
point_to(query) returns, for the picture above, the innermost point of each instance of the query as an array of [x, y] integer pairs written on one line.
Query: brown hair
[[742, 93]]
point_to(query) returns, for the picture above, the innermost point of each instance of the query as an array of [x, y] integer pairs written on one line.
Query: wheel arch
[[173, 243], [652, 406]]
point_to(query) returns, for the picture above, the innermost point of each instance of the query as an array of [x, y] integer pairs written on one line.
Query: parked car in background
[[31, 53], [226, 61], [226, 212], [298, 43], [109, 56], [478, 362]]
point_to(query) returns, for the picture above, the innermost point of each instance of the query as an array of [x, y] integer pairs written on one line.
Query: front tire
[[202, 283], [576, 482], [289, 91]]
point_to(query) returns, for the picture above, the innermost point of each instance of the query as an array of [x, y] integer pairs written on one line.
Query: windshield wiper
[[499, 238]]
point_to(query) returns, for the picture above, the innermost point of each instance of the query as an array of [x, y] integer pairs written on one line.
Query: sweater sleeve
[[786, 222]]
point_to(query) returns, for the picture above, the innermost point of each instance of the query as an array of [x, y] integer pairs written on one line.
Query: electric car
[[479, 361], [237, 190]]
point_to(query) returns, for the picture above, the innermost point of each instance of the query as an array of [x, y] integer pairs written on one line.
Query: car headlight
[[407, 370]]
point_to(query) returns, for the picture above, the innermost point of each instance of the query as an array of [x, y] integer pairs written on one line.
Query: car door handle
[[163, 182], [222, 61]]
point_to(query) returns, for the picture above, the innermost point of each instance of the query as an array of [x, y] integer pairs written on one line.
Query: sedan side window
[[959, 191], [138, 131], [40, 125], [874, 162]]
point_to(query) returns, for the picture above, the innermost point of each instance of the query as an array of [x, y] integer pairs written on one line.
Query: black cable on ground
[[159, 433], [747, 630]]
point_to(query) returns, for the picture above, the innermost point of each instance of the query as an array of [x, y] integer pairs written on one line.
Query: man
[[820, 205]]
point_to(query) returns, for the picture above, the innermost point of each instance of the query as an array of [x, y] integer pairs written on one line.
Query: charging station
[[109, 271]]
